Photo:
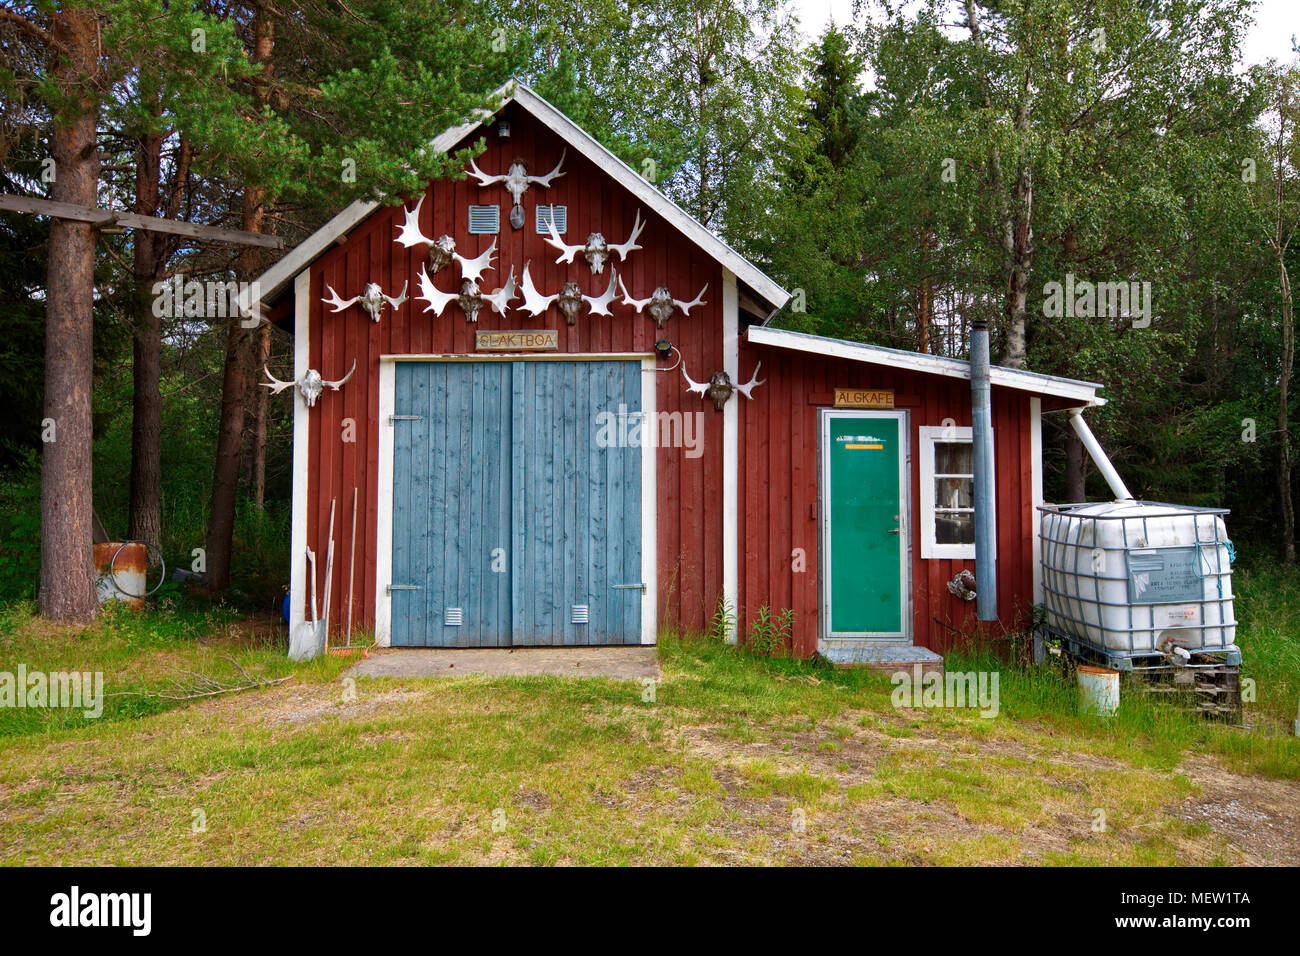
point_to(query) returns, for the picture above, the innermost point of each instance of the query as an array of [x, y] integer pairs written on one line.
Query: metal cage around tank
[[1074, 594]]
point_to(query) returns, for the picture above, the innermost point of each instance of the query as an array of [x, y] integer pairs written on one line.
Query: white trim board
[[1036, 483], [1084, 393], [731, 452], [649, 506], [301, 438], [302, 255]]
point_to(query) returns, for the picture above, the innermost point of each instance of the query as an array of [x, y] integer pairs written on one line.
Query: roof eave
[[1084, 393]]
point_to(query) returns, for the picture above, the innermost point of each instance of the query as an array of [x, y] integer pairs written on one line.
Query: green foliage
[[770, 636], [723, 624]]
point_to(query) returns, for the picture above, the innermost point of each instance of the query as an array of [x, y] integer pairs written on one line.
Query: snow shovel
[[303, 644]]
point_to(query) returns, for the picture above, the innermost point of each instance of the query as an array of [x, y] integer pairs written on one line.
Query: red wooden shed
[[559, 438]]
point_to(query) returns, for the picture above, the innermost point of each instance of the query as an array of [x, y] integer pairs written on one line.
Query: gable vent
[[547, 214], [484, 219]]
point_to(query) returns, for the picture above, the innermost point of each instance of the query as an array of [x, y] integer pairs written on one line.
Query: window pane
[[953, 458], [954, 493], [954, 529]]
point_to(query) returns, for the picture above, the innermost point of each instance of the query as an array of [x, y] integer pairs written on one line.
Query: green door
[[865, 528]]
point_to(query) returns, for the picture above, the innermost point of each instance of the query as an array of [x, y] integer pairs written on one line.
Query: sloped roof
[[278, 276], [1074, 390]]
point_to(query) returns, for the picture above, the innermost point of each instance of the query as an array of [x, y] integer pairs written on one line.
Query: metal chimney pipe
[[1099, 456], [981, 403]]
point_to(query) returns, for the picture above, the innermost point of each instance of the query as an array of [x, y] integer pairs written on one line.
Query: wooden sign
[[864, 398], [518, 340]]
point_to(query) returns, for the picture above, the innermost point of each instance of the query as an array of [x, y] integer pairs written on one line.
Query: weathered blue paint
[[505, 456]]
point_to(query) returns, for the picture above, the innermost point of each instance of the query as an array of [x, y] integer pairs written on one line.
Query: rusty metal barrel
[[121, 569]]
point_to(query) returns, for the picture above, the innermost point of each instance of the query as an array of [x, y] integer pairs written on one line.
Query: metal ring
[[161, 563]]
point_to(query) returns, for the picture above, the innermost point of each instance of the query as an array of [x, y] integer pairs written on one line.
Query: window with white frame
[[947, 492]]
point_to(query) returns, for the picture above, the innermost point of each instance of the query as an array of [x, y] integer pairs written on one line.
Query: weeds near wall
[[770, 636], [723, 624]]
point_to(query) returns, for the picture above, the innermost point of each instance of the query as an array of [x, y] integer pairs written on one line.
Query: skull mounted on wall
[[569, 301], [372, 300], [470, 299], [517, 181], [440, 253]]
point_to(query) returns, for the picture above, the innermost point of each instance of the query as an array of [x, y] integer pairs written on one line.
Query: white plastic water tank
[[1138, 576]]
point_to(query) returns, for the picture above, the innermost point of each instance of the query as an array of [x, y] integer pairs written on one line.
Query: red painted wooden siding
[[689, 490], [779, 491]]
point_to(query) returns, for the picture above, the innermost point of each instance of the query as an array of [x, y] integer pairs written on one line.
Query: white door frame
[[905, 635], [384, 478]]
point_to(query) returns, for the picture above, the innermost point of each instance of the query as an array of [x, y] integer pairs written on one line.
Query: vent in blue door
[[453, 617]]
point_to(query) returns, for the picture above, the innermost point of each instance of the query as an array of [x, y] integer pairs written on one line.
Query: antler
[[699, 388], [600, 304], [534, 302], [483, 178], [751, 384], [637, 304], [554, 173], [341, 382], [698, 300], [567, 252], [500, 299], [473, 268], [275, 385], [624, 249], [338, 304], [408, 234], [437, 300], [396, 302]]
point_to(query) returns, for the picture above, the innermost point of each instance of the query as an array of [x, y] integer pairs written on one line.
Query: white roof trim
[[1085, 393], [280, 274]]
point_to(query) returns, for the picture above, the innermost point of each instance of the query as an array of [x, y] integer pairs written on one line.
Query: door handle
[[896, 531]]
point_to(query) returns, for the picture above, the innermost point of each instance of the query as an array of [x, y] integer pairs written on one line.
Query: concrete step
[[881, 656]]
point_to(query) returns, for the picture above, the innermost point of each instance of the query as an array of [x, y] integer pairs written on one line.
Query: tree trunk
[[261, 406], [146, 419], [67, 567], [1283, 429], [1075, 490], [1020, 255], [237, 378]]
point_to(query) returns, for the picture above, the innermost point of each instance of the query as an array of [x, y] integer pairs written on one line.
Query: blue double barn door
[[513, 513]]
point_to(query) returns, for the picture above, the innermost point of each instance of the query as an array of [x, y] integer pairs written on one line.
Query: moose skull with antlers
[[596, 250], [517, 181], [310, 385], [372, 300], [719, 388], [662, 303]]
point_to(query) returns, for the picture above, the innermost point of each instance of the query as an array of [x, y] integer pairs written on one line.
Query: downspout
[[1098, 456], [986, 567]]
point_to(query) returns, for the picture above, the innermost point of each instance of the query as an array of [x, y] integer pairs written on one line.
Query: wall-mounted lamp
[[503, 129], [663, 348]]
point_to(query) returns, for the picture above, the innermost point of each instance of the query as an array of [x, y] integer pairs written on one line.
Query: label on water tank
[[1164, 576]]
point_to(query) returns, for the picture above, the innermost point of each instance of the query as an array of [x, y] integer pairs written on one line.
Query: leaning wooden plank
[[106, 217]]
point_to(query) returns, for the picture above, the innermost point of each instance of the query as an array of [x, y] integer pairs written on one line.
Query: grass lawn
[[736, 760]]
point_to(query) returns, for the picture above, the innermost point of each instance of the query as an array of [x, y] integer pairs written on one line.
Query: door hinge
[[639, 586], [402, 587], [405, 418]]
